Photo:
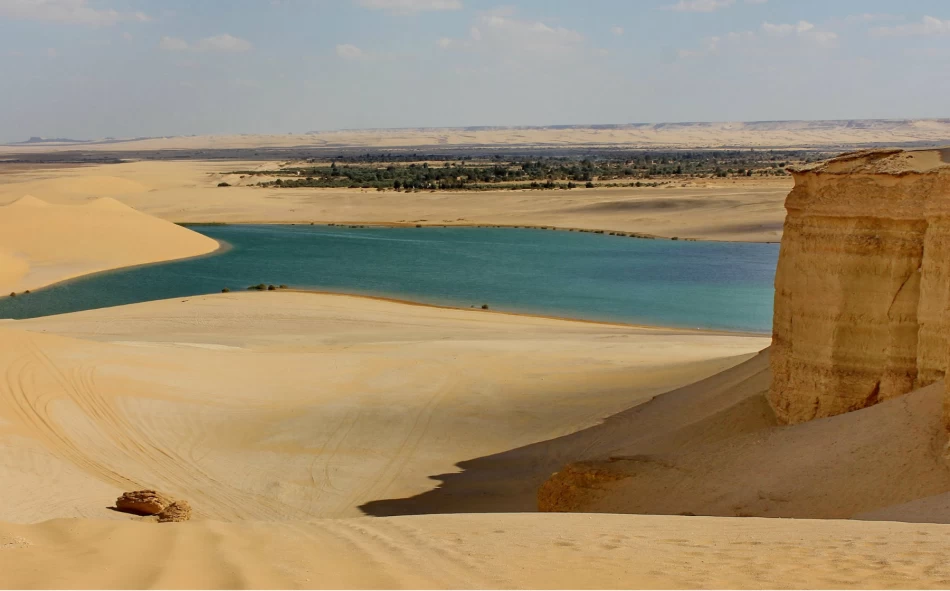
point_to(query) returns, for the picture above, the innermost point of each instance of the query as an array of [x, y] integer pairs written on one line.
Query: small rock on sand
[[143, 502], [177, 511]]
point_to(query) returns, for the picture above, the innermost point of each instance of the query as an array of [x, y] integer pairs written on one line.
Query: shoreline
[[223, 247], [381, 298], [421, 225], [394, 300]]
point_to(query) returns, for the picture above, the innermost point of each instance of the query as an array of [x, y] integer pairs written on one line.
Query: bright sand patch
[[749, 210], [478, 551], [268, 411], [42, 243], [294, 406]]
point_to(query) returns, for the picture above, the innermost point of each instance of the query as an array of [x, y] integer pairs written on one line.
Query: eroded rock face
[[177, 511], [861, 289], [150, 502], [143, 502]]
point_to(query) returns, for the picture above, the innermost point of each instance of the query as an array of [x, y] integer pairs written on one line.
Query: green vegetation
[[631, 168], [264, 287], [223, 184]]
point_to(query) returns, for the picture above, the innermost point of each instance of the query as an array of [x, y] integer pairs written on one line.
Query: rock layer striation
[[861, 288]]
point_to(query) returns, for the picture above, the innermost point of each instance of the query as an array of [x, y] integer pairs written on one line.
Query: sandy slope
[[41, 243], [291, 405], [477, 551], [186, 191], [726, 457], [271, 412]]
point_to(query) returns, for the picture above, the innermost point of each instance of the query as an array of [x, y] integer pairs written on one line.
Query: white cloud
[[787, 29], [712, 45], [699, 5], [66, 11], [521, 36], [616, 30], [245, 83], [801, 29], [496, 31], [502, 37], [173, 44], [756, 1], [410, 6], [127, 36], [869, 17], [349, 52], [927, 26], [223, 42]]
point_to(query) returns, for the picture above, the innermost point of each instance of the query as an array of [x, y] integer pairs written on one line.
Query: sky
[[88, 69]]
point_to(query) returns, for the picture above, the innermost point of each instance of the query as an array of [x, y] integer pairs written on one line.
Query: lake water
[[716, 285]]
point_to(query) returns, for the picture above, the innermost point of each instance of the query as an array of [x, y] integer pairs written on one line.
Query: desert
[[351, 429], [440, 294]]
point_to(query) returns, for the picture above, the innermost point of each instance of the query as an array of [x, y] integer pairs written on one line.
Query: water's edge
[[708, 287]]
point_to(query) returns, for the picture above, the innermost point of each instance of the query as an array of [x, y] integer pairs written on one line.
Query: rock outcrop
[[861, 289], [150, 502], [177, 511], [143, 502]]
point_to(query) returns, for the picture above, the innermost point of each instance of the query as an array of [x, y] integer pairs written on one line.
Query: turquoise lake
[[716, 285]]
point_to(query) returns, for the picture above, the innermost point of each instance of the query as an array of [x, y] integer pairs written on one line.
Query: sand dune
[[291, 405], [41, 243], [271, 412], [720, 407], [286, 419], [187, 191], [735, 462], [477, 551]]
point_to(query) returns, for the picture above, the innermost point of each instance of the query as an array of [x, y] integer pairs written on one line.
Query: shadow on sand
[[508, 481]]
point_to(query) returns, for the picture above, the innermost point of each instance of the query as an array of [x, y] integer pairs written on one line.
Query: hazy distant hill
[[838, 134], [56, 140]]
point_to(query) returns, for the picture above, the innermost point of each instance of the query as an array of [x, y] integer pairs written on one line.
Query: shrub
[[589, 185], [484, 306], [282, 286], [223, 184], [271, 288], [225, 290], [258, 287], [12, 294]]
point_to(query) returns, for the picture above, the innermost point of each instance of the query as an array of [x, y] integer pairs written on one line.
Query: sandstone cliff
[[861, 288]]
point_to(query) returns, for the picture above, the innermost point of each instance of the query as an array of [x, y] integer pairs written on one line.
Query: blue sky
[[126, 68]]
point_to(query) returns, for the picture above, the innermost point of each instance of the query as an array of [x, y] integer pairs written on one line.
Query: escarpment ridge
[[861, 288]]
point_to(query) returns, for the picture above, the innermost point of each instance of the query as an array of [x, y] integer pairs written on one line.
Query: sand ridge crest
[[43, 243], [27, 201]]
